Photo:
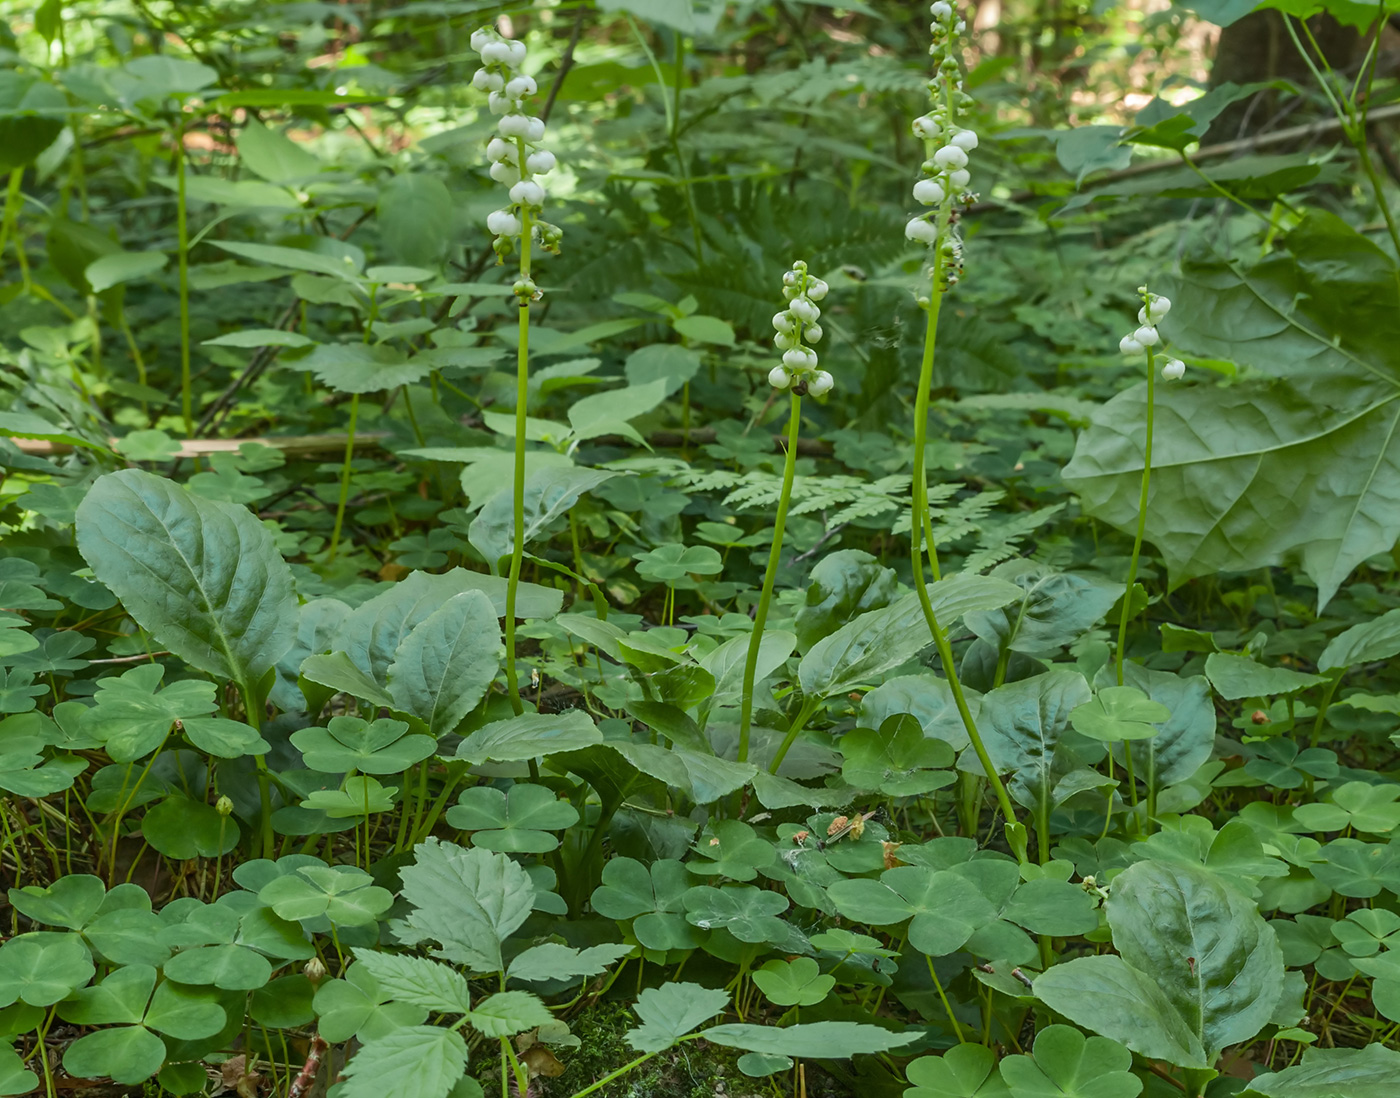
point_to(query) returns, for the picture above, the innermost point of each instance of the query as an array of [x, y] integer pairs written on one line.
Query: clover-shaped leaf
[[15, 1078], [371, 747], [133, 715], [1358, 869], [674, 564], [41, 967], [359, 796], [945, 908], [898, 760], [1066, 1064], [652, 896], [514, 821], [966, 1071], [750, 914], [357, 1007], [343, 895], [733, 850], [1280, 763], [799, 982], [1358, 805], [1119, 713], [1367, 930]]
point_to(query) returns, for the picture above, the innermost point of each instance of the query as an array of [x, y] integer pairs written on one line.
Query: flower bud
[[528, 193], [790, 278], [804, 310], [223, 806], [515, 125], [784, 340], [487, 81], [521, 86], [541, 162], [503, 223], [782, 322], [821, 384], [965, 140], [921, 231], [1174, 369], [799, 358], [1147, 336], [930, 192], [960, 178], [813, 333], [779, 378], [1130, 346], [495, 53], [816, 289], [315, 970], [950, 156]]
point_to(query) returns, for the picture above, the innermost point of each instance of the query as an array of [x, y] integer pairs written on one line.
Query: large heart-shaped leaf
[[203, 577], [1301, 466]]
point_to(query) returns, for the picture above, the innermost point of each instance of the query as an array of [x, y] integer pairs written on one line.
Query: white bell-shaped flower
[[1174, 369], [816, 289], [1147, 336], [481, 37], [505, 173], [515, 125], [812, 333], [488, 81], [784, 340], [960, 178], [950, 156], [497, 52], [964, 139], [515, 53], [929, 192], [926, 127], [498, 150], [804, 310], [503, 223], [921, 231], [800, 358], [779, 378], [521, 86], [534, 132], [541, 162], [783, 322], [528, 193], [821, 383], [1130, 346]]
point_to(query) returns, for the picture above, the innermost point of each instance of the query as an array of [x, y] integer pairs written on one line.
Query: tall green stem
[[918, 521], [1126, 615], [522, 396], [769, 577], [345, 476], [182, 234]]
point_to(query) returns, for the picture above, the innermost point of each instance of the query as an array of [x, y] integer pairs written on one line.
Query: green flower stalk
[[943, 185], [516, 160], [796, 328]]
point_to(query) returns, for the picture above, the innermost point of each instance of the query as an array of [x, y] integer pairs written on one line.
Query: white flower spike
[[796, 327], [514, 154]]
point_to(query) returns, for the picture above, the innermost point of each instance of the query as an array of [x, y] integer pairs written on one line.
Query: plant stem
[[344, 477], [522, 396], [182, 234], [769, 577], [918, 521], [809, 706], [1126, 615]]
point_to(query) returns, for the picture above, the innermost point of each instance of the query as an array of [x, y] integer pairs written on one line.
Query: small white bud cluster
[[945, 175], [1154, 308], [797, 326], [515, 155]]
